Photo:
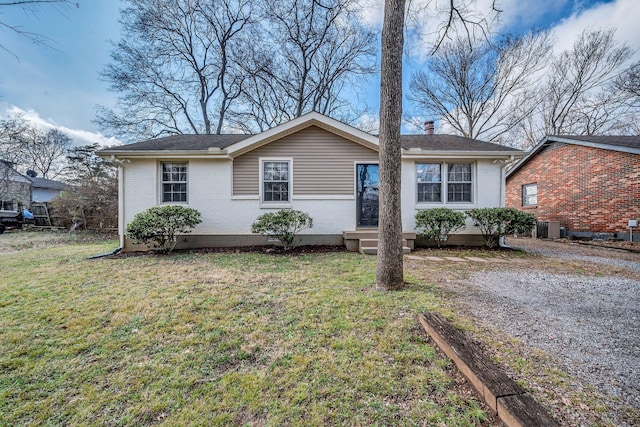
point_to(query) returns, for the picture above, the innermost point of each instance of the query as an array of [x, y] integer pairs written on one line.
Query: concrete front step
[[373, 243], [373, 234], [374, 250], [370, 246], [352, 239]]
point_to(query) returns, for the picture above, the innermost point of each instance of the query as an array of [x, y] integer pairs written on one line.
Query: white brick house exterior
[[228, 178]]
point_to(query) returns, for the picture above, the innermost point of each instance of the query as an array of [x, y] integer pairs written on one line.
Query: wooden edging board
[[508, 400]]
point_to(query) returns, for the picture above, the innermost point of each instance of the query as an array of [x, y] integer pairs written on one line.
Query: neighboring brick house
[[590, 184]]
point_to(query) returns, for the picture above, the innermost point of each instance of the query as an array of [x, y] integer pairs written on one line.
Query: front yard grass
[[218, 339]]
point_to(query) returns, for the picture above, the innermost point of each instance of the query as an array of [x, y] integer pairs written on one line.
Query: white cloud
[[425, 17], [620, 14], [525, 14], [371, 12], [78, 136]]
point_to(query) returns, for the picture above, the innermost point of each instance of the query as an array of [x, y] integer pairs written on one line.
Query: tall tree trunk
[[389, 274]]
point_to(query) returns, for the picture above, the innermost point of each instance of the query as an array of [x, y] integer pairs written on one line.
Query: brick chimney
[[429, 128]]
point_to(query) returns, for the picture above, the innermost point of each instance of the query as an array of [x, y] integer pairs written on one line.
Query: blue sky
[[60, 87]]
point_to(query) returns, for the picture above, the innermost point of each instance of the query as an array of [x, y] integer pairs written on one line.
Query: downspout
[[121, 204], [502, 198], [113, 252]]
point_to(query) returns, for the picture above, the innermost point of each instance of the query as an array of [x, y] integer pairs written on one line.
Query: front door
[[367, 195]]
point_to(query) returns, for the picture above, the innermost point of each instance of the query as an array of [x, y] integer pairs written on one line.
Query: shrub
[[91, 202], [497, 222], [439, 223], [284, 225], [158, 227]]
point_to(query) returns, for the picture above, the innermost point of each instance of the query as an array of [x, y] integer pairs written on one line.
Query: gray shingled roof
[[48, 183], [436, 142], [441, 142], [618, 141], [182, 142]]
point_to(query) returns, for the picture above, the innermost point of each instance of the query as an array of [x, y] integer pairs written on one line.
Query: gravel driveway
[[590, 324]]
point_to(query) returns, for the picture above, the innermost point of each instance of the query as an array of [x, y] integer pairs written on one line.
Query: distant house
[[590, 184], [45, 190], [15, 188], [312, 163]]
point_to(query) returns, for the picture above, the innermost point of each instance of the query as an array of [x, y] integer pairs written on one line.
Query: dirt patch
[[624, 245]]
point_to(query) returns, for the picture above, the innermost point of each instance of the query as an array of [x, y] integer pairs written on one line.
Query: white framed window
[[459, 183], [174, 182], [530, 194], [429, 177], [435, 181], [6, 205], [275, 181]]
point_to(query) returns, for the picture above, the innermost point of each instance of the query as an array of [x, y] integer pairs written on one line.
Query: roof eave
[[413, 153], [174, 154], [298, 124], [549, 139], [600, 145]]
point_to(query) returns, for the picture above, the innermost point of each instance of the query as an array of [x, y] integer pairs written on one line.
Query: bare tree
[[389, 272], [595, 60], [32, 148], [629, 82], [579, 92], [44, 152], [33, 7], [177, 67], [93, 202], [479, 87], [196, 66], [10, 131], [312, 51]]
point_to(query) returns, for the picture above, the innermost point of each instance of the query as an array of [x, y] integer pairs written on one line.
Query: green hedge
[[497, 222], [439, 223], [284, 225], [158, 227]]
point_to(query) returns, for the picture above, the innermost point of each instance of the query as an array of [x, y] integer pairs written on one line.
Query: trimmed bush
[[497, 222], [439, 223], [159, 226], [284, 225]]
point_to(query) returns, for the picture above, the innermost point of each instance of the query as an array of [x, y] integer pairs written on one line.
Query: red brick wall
[[586, 189]]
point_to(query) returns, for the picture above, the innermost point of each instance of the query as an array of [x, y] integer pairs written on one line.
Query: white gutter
[[159, 154], [413, 153]]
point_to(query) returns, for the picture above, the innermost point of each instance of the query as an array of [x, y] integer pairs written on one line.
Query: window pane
[[460, 172], [428, 172], [459, 193], [530, 195], [275, 178], [174, 182], [429, 179], [459, 182], [429, 192]]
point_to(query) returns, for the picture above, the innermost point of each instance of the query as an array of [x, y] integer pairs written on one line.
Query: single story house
[[589, 184], [312, 163], [45, 190], [15, 188]]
